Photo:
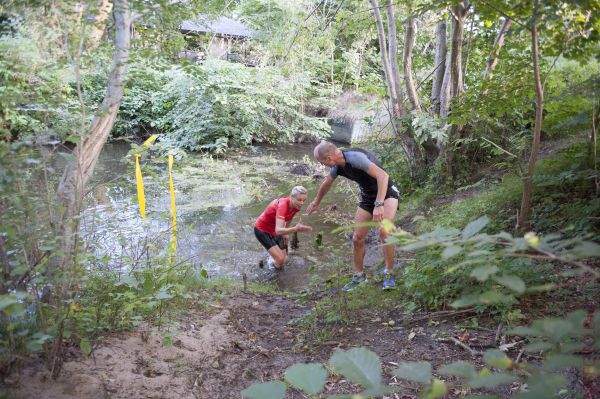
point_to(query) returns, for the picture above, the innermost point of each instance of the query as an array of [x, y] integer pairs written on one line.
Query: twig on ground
[[457, 342], [498, 332]]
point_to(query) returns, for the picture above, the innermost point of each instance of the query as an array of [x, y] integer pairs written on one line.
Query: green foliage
[[563, 336], [35, 96], [223, 104]]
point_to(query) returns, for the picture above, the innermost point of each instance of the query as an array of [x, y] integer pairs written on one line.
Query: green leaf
[[10, 304], [451, 251], [129, 281], [163, 294], [414, 371], [359, 365], [85, 346], [497, 358], [482, 273], [493, 296], [204, 273], [34, 345], [561, 361], [541, 288], [538, 346], [587, 249], [459, 369], [265, 390], [542, 386], [490, 380], [474, 227], [436, 389], [167, 342], [465, 300], [512, 282], [525, 331], [308, 377]]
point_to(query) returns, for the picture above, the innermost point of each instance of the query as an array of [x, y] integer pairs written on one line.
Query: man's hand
[[302, 227], [378, 214], [312, 207]]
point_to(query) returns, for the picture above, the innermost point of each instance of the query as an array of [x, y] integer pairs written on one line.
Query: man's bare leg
[[358, 239], [389, 212]]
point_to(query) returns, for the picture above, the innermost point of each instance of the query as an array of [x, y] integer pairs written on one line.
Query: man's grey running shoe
[[357, 279]]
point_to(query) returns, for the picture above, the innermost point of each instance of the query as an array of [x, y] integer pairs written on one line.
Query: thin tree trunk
[[594, 152], [409, 41], [78, 171], [468, 48], [445, 94], [384, 56], [104, 9], [523, 221], [393, 54], [459, 14], [492, 60], [409, 145], [441, 49]]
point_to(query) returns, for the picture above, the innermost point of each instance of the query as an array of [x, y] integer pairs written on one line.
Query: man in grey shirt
[[378, 201]]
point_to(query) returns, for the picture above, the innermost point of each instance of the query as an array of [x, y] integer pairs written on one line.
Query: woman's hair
[[298, 190]]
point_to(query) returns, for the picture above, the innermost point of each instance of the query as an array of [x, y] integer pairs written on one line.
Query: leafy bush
[[35, 96], [221, 104], [563, 340]]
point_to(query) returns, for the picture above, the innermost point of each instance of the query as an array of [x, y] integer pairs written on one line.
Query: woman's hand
[[302, 227]]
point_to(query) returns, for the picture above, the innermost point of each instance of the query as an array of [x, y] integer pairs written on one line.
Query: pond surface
[[217, 202]]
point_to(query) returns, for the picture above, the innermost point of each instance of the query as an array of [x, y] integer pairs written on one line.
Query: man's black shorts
[[367, 202], [268, 241]]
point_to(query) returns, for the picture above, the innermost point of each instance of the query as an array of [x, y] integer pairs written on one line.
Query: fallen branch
[[457, 342]]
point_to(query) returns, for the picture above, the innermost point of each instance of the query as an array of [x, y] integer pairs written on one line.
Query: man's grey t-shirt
[[357, 164]]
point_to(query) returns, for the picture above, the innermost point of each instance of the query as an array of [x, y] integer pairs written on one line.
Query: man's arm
[[382, 186], [314, 205]]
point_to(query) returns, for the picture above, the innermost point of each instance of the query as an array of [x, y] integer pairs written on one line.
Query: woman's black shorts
[[268, 241]]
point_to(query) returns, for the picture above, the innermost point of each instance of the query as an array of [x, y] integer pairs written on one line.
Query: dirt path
[[248, 339]]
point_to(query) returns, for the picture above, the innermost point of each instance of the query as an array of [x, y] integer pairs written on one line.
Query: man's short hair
[[298, 190], [324, 149]]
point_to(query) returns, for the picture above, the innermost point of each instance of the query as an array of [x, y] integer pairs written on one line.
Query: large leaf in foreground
[[308, 377], [359, 365]]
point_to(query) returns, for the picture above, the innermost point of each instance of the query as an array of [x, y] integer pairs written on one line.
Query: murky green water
[[218, 201]]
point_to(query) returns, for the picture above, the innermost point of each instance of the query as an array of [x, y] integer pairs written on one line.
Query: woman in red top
[[271, 225]]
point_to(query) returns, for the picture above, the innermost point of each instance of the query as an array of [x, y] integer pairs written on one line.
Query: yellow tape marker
[[150, 140], [173, 210], [140, 186]]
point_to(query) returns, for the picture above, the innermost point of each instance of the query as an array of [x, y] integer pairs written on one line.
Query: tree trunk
[[385, 59], [392, 78], [393, 54], [79, 170], [459, 14], [498, 43], [104, 9], [523, 220], [441, 49], [445, 95], [409, 41]]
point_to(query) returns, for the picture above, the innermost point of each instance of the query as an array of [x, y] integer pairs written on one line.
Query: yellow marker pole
[[138, 177], [150, 140], [173, 210], [140, 187]]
